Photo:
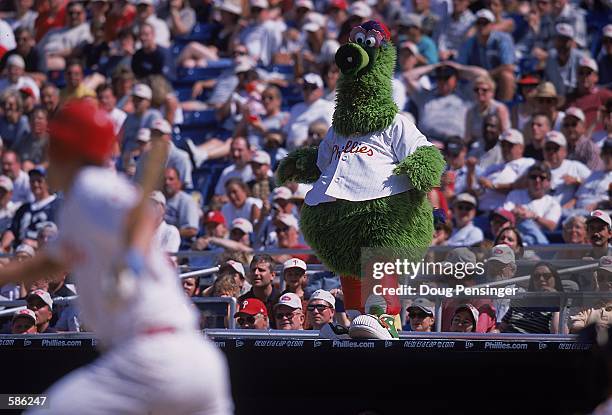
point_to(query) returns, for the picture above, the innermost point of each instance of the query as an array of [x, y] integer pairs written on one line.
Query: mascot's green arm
[[424, 168], [299, 166]]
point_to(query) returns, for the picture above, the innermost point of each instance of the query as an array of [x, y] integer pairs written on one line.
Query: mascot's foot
[[334, 332], [369, 326]]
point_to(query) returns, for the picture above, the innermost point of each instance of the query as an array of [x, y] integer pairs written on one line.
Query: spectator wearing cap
[[288, 237], [318, 48], [40, 302], [587, 96], [261, 276], [548, 102], [167, 236], [108, 102], [484, 89], [150, 59], [497, 180], [536, 211], [16, 77], [214, 226], [358, 12], [241, 154], [493, 51], [464, 211], [145, 13], [500, 266], [562, 62], [13, 122], [181, 209], [465, 319], [566, 175], [314, 108], [599, 234], [442, 110], [236, 270], [410, 25], [279, 202], [32, 147], [455, 30], [536, 130], [294, 277], [337, 13], [239, 240], [538, 318], [321, 309], [512, 237], [24, 322], [500, 219], [252, 314], [240, 204], [455, 152], [601, 313], [262, 184], [521, 113], [7, 206], [421, 315], [579, 145], [263, 35], [30, 216], [12, 168], [565, 12], [604, 60], [487, 151], [288, 312], [595, 189]]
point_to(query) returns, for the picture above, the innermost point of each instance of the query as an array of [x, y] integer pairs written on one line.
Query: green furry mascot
[[371, 175]]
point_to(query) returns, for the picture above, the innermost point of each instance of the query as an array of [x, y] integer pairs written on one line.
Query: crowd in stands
[[515, 94]]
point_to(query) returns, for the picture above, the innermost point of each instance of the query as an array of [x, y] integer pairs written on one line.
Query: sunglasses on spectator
[[585, 72], [477, 90], [549, 100], [289, 315], [418, 314], [268, 97], [551, 149], [466, 207], [569, 124], [283, 229], [545, 275], [246, 320], [538, 176], [319, 307], [309, 87], [459, 322]]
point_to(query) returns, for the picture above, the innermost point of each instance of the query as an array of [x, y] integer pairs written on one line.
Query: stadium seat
[[57, 77], [205, 178]]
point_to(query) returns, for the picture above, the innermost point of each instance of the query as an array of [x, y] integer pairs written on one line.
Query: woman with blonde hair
[[485, 105]]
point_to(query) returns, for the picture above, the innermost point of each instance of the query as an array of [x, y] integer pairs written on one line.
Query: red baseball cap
[[252, 307], [82, 130], [214, 216], [339, 4], [506, 214], [528, 80]]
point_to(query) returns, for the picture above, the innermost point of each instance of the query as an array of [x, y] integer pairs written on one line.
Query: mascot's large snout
[[351, 58]]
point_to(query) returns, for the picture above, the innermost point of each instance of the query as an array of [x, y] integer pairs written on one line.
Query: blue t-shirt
[[428, 49], [499, 50]]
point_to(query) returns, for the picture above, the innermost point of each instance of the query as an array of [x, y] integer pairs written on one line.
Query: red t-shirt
[[45, 22], [590, 104]]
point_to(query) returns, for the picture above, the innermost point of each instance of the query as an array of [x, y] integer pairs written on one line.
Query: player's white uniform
[[140, 373]]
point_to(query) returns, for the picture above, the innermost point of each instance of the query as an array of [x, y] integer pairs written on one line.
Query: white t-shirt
[[168, 237], [91, 240], [21, 188], [546, 206], [302, 115], [561, 191], [594, 189], [361, 168], [22, 82], [230, 212], [118, 117], [466, 236], [502, 173], [245, 174]]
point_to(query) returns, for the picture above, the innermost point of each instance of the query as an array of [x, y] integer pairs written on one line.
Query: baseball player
[[154, 360]]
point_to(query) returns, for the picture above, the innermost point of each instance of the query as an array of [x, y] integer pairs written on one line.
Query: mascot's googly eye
[[374, 38], [360, 38], [358, 35], [370, 41]]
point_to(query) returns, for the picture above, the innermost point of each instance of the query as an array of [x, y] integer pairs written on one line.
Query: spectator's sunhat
[[360, 9], [294, 263], [410, 20], [242, 224], [548, 90], [231, 6], [142, 91], [214, 216], [251, 307], [410, 46], [290, 300], [313, 79], [485, 14], [605, 263], [564, 30], [158, 197], [25, 312], [43, 295], [607, 31], [6, 183], [323, 295], [422, 304], [460, 254], [237, 266], [465, 198], [555, 137], [576, 113], [513, 136], [289, 220], [16, 60], [586, 62], [600, 215], [25, 249], [162, 126], [471, 309], [282, 192], [261, 157], [262, 4], [143, 135], [502, 253], [505, 214]]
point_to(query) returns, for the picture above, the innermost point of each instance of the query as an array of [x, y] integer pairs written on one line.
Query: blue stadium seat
[[57, 77], [213, 70], [199, 118], [205, 178]]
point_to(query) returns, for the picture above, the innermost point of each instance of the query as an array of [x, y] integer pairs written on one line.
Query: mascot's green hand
[[299, 166], [424, 168]]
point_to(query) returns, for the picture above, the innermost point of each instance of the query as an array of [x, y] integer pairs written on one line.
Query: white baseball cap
[[262, 4], [555, 137], [411, 47], [243, 65], [564, 29], [237, 266], [485, 14], [149, 2], [158, 196], [162, 126], [600, 215], [313, 79], [360, 9], [142, 91], [290, 300], [471, 309], [502, 253], [261, 157], [231, 6], [6, 183], [243, 224], [16, 60], [25, 312], [282, 192], [325, 296], [294, 263], [43, 295], [575, 112], [587, 62], [25, 249], [300, 192], [306, 4], [513, 136], [313, 22], [607, 30], [605, 263], [466, 198], [289, 220], [144, 135]]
